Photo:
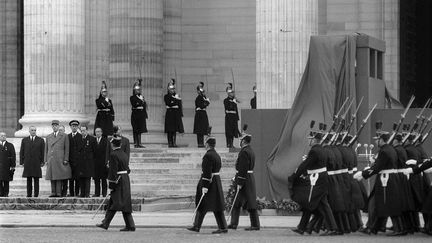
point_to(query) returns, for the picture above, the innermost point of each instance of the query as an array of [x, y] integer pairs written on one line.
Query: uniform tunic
[[139, 114], [253, 103], [121, 195], [231, 119], [102, 151], [407, 202], [32, 156], [214, 198], [201, 122], [427, 203], [416, 181], [244, 165], [358, 190], [7, 160], [316, 159], [335, 198], [344, 177], [105, 115], [173, 116], [85, 166]]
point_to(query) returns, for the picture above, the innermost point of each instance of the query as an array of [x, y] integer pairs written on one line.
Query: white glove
[[204, 190], [408, 171], [304, 157], [366, 168], [239, 187], [358, 176], [372, 159], [411, 162]]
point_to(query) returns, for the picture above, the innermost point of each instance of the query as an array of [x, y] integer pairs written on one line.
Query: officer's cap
[[55, 122], [74, 122]]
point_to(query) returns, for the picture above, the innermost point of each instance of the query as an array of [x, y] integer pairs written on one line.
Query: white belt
[[405, 171], [104, 110], [389, 171], [231, 112], [138, 108], [320, 170], [215, 174], [200, 109], [172, 107], [337, 172], [121, 172], [352, 171], [249, 172], [211, 179]]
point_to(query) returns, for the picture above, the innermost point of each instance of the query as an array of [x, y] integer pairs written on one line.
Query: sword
[[103, 202], [235, 197], [196, 209], [313, 179]]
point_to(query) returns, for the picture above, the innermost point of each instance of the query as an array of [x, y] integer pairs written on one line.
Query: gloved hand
[[411, 162], [304, 157], [204, 190], [239, 187], [408, 171], [358, 176], [372, 159]]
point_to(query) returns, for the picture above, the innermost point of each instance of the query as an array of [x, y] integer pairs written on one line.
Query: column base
[[42, 121]]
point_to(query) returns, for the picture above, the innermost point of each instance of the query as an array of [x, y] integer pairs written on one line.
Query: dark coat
[[335, 198], [359, 195], [139, 114], [427, 202], [85, 166], [120, 184], [75, 150], [405, 192], [253, 102], [416, 180], [101, 159], [7, 161], [345, 178], [173, 116], [105, 116], [246, 162], [32, 156], [316, 159], [386, 199], [231, 119], [201, 122], [125, 147], [56, 152], [214, 198]]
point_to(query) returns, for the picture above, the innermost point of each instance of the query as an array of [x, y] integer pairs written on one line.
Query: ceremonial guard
[[254, 99], [125, 144], [384, 199], [231, 117], [173, 115], [201, 122], [57, 159], [85, 166], [101, 163], [426, 168], [119, 183], [105, 112], [209, 195], [139, 114], [245, 182], [7, 164], [32, 158], [75, 156]]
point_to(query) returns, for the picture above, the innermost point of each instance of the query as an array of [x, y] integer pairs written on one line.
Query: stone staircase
[[163, 177]]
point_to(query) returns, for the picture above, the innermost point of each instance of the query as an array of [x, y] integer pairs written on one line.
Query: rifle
[[401, 120], [341, 125], [420, 115], [333, 126], [425, 122], [361, 126], [425, 136], [353, 117], [233, 79]]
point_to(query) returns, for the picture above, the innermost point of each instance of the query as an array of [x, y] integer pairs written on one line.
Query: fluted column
[[135, 49], [54, 58], [283, 32]]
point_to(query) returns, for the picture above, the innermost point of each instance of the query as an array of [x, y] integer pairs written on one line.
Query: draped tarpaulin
[[329, 78]]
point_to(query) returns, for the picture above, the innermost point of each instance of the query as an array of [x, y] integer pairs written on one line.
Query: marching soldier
[[32, 157], [201, 122], [75, 156], [426, 167], [245, 181], [173, 115], [105, 112], [7, 164], [85, 166], [209, 195], [231, 117], [102, 151], [254, 99], [119, 183], [139, 114], [125, 144]]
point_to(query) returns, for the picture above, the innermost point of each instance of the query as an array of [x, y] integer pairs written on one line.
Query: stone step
[[57, 200], [61, 206]]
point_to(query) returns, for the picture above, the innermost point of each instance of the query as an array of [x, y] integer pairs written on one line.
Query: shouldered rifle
[[233, 83], [362, 126], [342, 123], [420, 116], [335, 118], [425, 136], [353, 118], [425, 122], [401, 120]]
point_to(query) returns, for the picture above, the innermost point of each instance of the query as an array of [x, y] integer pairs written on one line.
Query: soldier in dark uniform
[[426, 167], [101, 156], [139, 114], [105, 112], [231, 117], [201, 122], [32, 154], [426, 181], [125, 144], [385, 201], [245, 181], [7, 164], [310, 187], [85, 166], [173, 115], [254, 99], [210, 189], [75, 149], [119, 183]]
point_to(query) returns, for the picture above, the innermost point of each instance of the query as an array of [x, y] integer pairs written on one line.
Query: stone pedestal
[[54, 55], [283, 32]]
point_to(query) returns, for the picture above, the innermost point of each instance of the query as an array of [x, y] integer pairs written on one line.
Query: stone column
[[54, 58], [135, 49], [283, 32]]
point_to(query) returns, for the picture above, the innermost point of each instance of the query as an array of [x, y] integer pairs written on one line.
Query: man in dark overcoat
[[101, 163], [173, 115], [231, 117], [7, 164], [85, 166], [201, 122], [75, 150], [105, 111], [139, 114]]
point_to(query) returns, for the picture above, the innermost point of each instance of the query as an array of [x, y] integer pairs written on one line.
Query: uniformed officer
[[231, 117], [201, 122], [254, 99], [85, 166], [7, 164], [173, 115], [210, 190], [75, 156], [245, 182], [426, 167], [105, 112], [139, 114], [119, 183]]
